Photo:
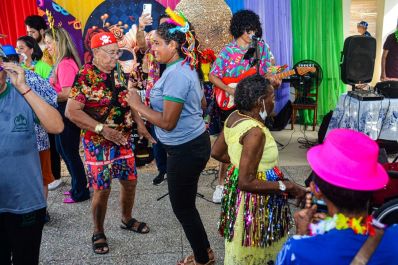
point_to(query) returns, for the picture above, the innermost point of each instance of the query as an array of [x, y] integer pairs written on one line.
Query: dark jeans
[[159, 153], [21, 237], [55, 158], [67, 144], [185, 162]]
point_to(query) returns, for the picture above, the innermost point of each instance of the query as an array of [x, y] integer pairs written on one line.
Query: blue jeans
[[159, 153], [67, 144]]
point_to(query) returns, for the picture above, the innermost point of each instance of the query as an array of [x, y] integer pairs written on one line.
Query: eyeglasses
[[117, 53]]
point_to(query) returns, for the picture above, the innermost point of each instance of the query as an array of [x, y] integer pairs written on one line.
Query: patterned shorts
[[105, 162]]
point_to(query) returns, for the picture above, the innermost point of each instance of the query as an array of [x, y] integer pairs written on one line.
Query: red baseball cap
[[102, 39]]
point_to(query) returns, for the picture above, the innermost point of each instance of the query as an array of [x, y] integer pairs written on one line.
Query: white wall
[[346, 17], [387, 16]]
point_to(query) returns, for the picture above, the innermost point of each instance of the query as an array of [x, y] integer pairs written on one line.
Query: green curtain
[[318, 35]]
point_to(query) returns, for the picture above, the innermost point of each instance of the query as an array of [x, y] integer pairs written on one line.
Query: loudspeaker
[[358, 59]]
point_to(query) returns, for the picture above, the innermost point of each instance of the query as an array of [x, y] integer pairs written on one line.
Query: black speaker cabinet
[[358, 60]]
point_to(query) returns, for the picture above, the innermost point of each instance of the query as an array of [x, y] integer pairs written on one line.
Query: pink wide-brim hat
[[348, 159]]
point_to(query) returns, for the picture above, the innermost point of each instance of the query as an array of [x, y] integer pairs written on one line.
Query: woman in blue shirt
[[176, 112]]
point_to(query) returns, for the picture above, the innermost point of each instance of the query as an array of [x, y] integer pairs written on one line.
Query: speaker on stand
[[357, 60]]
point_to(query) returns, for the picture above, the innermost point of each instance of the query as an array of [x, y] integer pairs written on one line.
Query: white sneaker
[[218, 194], [55, 184]]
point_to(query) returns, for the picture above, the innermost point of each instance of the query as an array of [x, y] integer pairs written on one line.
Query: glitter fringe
[[267, 218]]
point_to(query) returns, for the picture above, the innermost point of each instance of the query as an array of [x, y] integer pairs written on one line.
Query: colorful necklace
[[339, 221]]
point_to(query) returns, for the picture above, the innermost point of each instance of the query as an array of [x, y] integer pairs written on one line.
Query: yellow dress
[[254, 226]]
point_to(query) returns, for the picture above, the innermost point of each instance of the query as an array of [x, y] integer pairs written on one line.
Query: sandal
[[130, 225], [190, 260], [102, 247]]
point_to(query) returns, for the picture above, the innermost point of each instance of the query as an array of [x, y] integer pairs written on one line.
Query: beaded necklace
[[361, 226]]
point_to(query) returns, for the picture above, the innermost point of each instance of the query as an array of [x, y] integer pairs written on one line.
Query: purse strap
[[368, 248]]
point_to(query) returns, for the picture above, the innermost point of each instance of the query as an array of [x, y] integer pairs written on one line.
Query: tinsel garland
[[266, 218]]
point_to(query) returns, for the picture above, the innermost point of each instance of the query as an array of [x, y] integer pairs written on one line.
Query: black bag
[[280, 121], [324, 126], [143, 151]]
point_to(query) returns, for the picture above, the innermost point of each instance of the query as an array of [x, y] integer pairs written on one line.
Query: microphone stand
[[256, 62]]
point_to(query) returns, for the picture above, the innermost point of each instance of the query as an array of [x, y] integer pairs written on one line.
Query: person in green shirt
[[31, 55]]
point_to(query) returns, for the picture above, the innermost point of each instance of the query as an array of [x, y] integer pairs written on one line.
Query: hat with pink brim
[[348, 159]]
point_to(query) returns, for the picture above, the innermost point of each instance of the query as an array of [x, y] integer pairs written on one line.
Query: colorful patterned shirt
[[104, 100], [230, 62], [48, 94]]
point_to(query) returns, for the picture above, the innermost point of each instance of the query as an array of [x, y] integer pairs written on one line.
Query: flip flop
[[69, 200]]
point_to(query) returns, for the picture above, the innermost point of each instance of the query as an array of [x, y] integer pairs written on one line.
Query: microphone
[[254, 37]]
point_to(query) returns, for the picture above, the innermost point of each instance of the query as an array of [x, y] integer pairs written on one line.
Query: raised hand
[[144, 20], [17, 75]]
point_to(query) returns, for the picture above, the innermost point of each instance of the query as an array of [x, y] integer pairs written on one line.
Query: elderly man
[[46, 92], [22, 202], [97, 104], [346, 172]]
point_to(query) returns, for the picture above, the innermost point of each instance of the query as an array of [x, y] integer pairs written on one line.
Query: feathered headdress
[[182, 25]]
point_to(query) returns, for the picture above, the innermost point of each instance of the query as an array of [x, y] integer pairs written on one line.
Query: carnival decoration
[[210, 19], [119, 17], [182, 25]]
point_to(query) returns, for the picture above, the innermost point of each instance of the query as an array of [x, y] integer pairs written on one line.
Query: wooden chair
[[305, 102]]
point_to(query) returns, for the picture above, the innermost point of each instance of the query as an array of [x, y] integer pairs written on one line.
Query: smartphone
[[321, 205], [147, 9]]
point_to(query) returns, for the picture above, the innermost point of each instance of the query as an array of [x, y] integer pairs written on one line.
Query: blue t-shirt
[[179, 83], [21, 182], [337, 247]]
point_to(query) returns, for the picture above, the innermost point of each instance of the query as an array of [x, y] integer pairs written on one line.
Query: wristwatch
[[282, 186], [99, 128]]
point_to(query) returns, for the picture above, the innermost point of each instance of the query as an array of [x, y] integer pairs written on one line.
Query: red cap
[[102, 39]]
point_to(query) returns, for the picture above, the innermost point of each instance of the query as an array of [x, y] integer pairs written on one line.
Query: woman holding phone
[[177, 115]]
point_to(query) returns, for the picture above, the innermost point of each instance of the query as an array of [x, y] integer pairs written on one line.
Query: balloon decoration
[[121, 18], [210, 19]]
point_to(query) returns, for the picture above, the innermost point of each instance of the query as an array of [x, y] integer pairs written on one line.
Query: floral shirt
[[44, 89], [230, 62], [104, 99]]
